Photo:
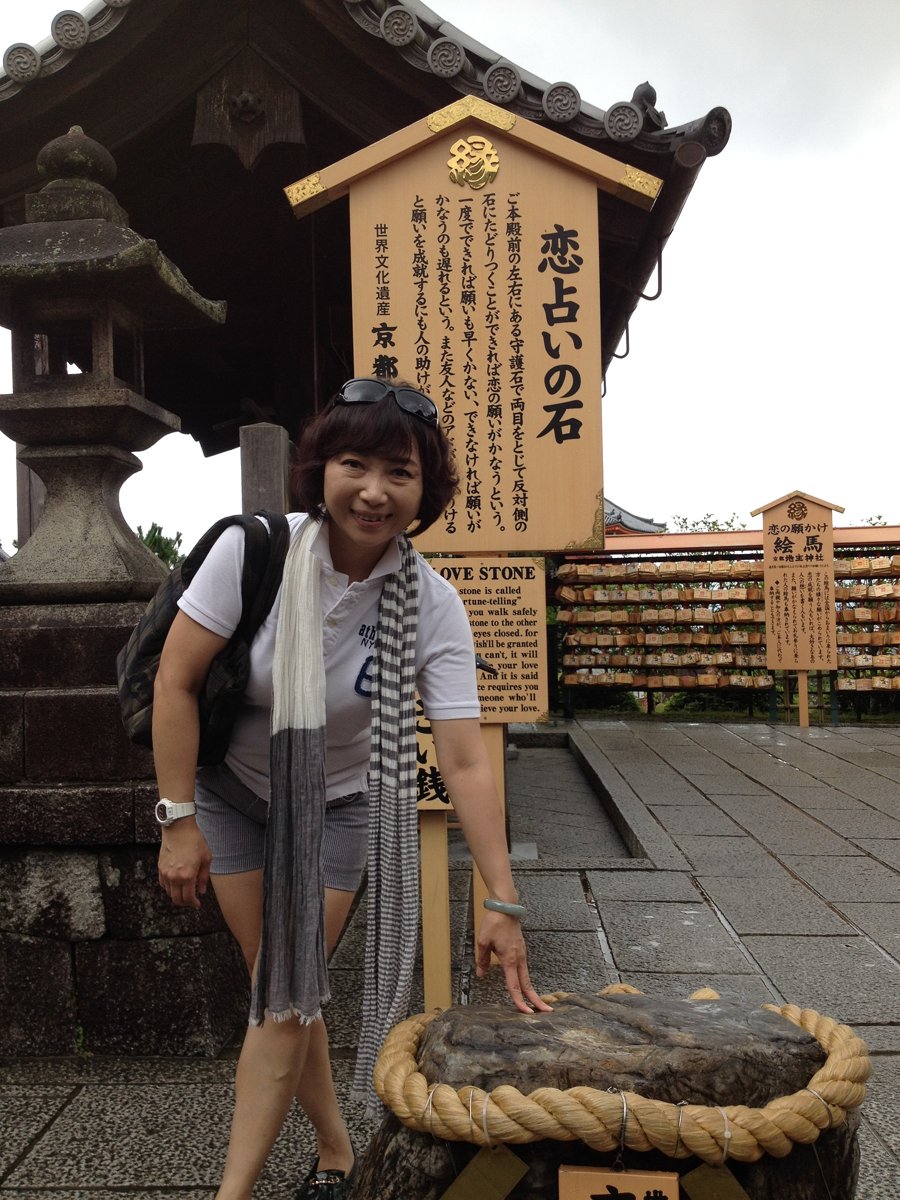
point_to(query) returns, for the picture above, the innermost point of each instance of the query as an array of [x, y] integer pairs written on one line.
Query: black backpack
[[220, 700]]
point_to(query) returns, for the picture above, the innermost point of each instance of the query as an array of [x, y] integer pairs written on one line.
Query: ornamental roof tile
[[70, 31], [432, 44]]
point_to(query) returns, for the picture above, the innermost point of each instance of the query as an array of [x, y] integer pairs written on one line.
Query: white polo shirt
[[445, 655]]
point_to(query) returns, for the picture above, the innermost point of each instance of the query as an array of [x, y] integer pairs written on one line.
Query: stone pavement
[[760, 860]]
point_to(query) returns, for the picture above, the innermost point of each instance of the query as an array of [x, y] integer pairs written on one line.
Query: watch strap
[[172, 812]]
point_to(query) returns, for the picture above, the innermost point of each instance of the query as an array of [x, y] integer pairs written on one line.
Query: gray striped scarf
[[292, 977]]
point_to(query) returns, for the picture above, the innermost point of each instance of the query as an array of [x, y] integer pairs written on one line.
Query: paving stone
[[555, 901], [848, 979], [732, 784], [820, 797], [694, 818], [166, 1193], [641, 885], [695, 760], [553, 803], [737, 857], [743, 989], [879, 921], [669, 937], [779, 827], [882, 1103], [769, 775], [782, 906], [571, 962], [24, 1113], [862, 823], [656, 787], [884, 849], [85, 1070], [109, 1136], [881, 1039], [879, 1170], [846, 878], [864, 785]]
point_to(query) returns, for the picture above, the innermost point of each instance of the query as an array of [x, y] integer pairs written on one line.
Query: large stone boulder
[[575, 1077]]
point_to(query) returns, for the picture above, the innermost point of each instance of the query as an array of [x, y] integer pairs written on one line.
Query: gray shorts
[[233, 821]]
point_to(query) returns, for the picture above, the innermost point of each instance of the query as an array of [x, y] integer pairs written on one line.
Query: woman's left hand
[[503, 935]]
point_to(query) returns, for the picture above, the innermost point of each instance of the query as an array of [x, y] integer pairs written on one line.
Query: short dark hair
[[382, 429]]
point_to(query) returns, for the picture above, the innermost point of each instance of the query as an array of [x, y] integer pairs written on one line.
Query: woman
[[327, 734]]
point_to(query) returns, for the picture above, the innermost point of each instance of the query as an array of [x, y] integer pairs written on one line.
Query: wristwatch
[[167, 812]]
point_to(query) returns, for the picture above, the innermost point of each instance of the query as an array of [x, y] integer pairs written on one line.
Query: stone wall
[[92, 955]]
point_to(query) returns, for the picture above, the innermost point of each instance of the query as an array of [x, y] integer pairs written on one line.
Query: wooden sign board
[[431, 792], [505, 599], [486, 295], [476, 276], [798, 569], [601, 1183]]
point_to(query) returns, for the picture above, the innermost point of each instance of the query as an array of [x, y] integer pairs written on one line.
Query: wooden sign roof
[[800, 496], [610, 175]]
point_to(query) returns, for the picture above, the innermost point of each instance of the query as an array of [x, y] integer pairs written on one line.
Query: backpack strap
[[265, 550], [264, 556], [192, 563]]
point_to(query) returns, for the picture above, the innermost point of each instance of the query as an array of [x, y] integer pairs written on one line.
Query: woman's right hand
[[184, 861]]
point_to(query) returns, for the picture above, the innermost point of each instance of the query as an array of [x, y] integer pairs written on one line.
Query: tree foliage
[[166, 549], [707, 524]]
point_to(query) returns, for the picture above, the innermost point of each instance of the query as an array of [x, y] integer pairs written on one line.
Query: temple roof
[[619, 520], [211, 107], [429, 43]]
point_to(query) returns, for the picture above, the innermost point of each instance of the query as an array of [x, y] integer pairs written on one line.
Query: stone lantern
[[78, 288], [91, 952]]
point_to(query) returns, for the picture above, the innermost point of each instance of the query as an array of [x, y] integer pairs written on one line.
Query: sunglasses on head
[[370, 391]]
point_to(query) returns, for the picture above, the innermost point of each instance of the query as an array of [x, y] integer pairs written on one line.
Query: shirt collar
[[388, 564]]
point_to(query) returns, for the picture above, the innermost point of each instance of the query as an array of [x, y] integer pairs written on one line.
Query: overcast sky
[[768, 363]]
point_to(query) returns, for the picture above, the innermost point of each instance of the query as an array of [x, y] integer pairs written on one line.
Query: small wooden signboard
[[506, 603], [602, 1183], [798, 571]]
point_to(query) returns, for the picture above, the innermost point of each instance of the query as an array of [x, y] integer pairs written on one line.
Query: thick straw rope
[[595, 1117]]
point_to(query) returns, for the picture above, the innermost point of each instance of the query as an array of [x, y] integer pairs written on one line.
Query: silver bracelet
[[503, 906]]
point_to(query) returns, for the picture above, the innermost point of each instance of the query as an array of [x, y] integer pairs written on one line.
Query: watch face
[[162, 812]]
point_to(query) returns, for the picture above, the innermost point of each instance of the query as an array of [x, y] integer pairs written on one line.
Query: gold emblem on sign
[[470, 106], [640, 181], [304, 189], [473, 162]]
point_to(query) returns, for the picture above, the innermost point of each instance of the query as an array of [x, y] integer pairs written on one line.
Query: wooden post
[[435, 891], [264, 467], [803, 698]]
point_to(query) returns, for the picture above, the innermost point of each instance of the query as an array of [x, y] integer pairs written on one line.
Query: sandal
[[327, 1185]]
